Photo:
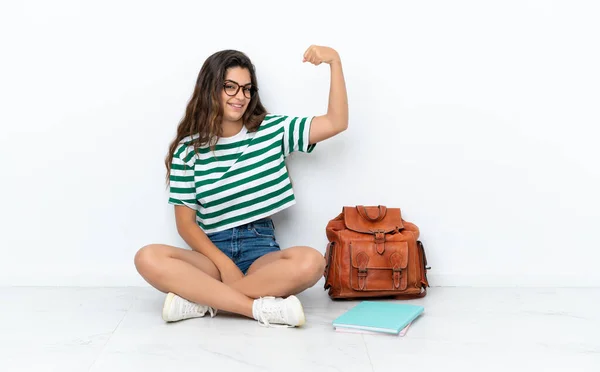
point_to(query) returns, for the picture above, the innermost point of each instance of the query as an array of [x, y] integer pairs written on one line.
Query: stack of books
[[373, 317]]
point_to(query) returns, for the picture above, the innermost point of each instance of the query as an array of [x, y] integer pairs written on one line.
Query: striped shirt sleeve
[[182, 189], [296, 133]]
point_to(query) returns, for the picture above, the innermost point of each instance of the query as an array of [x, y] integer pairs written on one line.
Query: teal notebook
[[386, 317]]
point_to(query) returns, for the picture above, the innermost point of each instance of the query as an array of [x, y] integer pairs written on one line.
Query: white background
[[478, 119]]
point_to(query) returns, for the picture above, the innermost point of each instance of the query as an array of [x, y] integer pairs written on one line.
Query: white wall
[[485, 112]]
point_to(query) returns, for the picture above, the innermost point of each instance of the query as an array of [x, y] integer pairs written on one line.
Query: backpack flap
[[371, 220], [374, 271]]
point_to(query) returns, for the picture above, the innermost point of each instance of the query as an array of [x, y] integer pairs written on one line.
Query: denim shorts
[[246, 243]]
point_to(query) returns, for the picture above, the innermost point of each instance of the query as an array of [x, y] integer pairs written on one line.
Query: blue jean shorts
[[246, 243]]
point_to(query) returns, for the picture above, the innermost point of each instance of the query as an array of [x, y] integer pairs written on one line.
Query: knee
[[311, 264], [147, 260]]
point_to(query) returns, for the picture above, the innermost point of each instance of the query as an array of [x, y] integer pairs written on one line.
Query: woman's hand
[[230, 273], [316, 55]]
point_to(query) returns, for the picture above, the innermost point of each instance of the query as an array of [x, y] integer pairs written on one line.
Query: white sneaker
[[176, 308], [286, 312]]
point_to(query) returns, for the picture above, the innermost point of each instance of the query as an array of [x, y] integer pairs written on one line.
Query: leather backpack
[[373, 252]]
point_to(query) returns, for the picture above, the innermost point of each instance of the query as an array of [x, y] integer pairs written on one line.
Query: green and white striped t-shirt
[[244, 179]]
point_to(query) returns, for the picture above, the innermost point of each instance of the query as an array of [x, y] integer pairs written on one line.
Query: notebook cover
[[388, 317]]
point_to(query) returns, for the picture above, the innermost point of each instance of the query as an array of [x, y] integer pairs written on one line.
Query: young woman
[[227, 176]]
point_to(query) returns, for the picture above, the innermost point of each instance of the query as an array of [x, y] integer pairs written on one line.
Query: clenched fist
[[316, 55]]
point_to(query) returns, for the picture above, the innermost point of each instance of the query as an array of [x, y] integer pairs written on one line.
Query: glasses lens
[[248, 92], [230, 88]]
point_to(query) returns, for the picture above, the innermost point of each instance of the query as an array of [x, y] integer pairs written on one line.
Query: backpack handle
[[362, 211]]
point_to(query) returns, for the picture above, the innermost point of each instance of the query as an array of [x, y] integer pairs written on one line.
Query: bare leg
[[283, 273], [190, 275]]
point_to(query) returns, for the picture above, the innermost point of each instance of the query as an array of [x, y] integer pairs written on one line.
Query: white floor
[[464, 329]]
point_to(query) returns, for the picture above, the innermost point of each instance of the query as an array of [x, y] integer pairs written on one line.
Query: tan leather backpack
[[373, 252]]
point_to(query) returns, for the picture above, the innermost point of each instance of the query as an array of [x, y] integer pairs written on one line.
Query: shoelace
[[193, 308], [270, 311], [190, 308]]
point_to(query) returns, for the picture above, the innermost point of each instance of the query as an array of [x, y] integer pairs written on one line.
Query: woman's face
[[235, 94]]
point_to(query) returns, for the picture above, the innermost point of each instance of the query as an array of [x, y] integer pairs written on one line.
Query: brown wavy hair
[[204, 112]]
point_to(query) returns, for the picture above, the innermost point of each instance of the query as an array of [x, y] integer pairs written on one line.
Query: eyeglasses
[[232, 88]]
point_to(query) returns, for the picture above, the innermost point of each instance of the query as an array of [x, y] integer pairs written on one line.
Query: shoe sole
[[302, 319], [167, 305]]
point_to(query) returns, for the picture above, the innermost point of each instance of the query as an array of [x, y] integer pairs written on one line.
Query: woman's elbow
[[342, 126]]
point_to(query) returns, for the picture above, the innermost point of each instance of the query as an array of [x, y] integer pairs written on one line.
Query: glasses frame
[[252, 90]]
